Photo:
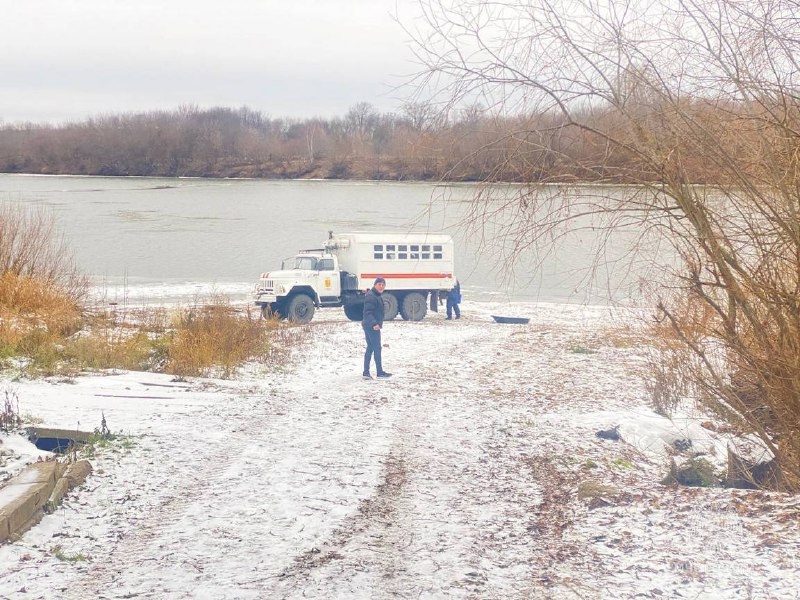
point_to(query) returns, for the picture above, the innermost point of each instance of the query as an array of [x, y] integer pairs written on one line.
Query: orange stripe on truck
[[407, 275]]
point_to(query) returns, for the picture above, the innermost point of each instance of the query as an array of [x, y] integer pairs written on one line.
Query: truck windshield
[[305, 263]]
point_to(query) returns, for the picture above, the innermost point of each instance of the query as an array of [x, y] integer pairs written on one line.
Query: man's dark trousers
[[453, 306], [373, 347]]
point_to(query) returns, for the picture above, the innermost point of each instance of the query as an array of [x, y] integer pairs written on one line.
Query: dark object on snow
[[595, 503], [682, 445], [747, 475], [56, 440], [610, 434], [511, 320]]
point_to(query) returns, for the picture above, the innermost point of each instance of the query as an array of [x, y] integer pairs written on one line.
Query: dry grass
[[108, 349], [739, 362], [55, 336], [34, 315], [215, 339], [593, 489]]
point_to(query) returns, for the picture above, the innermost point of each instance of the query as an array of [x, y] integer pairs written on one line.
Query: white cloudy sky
[[63, 60]]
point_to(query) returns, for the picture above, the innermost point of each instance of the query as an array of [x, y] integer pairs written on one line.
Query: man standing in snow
[[372, 324]]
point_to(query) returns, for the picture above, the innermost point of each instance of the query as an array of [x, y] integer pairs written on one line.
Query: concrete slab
[[22, 499]]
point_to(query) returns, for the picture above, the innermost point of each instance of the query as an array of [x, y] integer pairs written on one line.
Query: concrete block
[[77, 473], [22, 499], [57, 495], [73, 476]]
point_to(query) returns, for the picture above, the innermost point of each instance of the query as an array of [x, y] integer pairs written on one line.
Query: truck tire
[[300, 309], [413, 307], [354, 312], [390, 306]]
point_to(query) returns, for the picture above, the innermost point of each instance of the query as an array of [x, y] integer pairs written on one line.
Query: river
[[162, 238]]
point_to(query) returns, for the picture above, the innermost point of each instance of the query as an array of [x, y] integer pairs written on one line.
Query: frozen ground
[[457, 478]]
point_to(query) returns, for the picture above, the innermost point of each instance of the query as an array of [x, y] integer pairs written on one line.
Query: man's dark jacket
[[373, 309]]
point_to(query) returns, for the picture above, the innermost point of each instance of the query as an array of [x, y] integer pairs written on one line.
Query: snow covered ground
[[457, 478]]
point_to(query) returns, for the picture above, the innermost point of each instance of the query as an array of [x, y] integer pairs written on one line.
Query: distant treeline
[[419, 144]]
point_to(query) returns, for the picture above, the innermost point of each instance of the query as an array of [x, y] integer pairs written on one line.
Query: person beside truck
[[453, 300], [372, 323]]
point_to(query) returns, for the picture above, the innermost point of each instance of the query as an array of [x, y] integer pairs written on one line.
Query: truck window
[[325, 264], [306, 263]]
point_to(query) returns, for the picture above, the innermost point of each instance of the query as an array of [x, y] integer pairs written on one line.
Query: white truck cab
[[417, 268]]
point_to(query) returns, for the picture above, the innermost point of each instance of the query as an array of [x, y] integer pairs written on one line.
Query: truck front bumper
[[266, 299]]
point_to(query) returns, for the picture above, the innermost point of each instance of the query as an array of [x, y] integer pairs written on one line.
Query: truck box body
[[406, 261]]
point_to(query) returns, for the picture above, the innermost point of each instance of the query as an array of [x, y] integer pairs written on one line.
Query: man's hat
[[379, 280]]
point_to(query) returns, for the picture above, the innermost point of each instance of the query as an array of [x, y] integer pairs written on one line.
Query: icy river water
[[158, 238]]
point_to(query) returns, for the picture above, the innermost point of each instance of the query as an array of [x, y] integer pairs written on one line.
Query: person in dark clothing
[[372, 324], [453, 300]]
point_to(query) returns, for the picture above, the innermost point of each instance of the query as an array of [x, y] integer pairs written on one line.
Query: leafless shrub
[[666, 381], [9, 413], [30, 248]]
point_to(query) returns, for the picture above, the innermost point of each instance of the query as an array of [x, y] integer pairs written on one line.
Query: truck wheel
[[390, 306], [413, 307], [354, 312], [300, 309]]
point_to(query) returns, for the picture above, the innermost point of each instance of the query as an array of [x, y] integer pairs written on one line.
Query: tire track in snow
[[380, 507]]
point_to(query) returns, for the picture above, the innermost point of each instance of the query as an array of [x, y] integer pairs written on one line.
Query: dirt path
[[445, 481], [467, 506], [455, 494]]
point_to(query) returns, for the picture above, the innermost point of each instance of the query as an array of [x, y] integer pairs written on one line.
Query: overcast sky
[[65, 60]]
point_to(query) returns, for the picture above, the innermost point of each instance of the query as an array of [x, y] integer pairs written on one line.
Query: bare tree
[[31, 247], [360, 120], [659, 94], [420, 115]]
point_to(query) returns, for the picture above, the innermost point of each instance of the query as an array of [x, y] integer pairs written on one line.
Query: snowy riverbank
[[457, 478]]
